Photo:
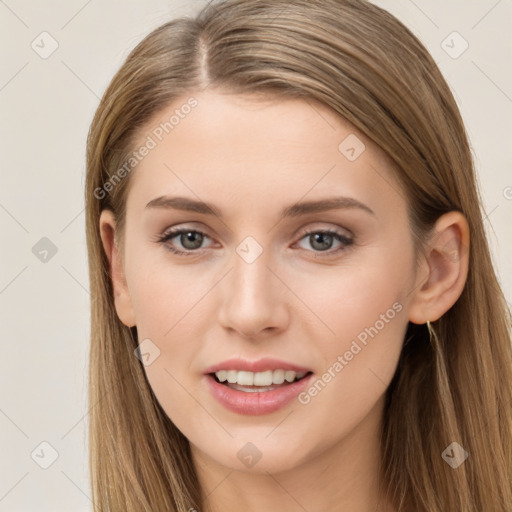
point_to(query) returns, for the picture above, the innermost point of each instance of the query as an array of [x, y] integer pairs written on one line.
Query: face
[[317, 294]]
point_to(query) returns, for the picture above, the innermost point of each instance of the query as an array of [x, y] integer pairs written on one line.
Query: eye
[[322, 239], [190, 240]]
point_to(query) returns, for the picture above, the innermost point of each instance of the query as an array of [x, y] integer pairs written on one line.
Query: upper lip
[[260, 365]]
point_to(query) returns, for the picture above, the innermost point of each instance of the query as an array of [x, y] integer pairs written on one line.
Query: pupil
[[189, 237], [320, 236]]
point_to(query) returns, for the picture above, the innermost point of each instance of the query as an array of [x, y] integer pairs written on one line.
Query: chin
[[259, 455]]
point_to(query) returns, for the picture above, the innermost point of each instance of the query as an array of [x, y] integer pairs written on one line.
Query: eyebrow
[[295, 210]]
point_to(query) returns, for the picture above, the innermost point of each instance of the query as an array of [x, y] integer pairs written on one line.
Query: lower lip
[[256, 403]]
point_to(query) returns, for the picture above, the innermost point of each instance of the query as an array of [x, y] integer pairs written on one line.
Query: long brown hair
[[453, 382]]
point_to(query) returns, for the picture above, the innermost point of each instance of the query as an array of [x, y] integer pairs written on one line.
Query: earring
[[431, 333]]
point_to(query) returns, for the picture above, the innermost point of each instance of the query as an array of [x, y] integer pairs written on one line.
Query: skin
[[252, 157]]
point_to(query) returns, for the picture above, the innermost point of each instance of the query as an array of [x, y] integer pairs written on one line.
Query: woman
[[293, 302]]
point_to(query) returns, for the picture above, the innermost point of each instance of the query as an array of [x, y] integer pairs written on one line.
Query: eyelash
[[165, 237]]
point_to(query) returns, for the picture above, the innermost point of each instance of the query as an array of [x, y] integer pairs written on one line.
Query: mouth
[[250, 393], [257, 382]]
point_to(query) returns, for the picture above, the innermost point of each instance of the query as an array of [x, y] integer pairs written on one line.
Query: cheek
[[353, 296], [165, 295], [169, 303], [364, 307], [366, 322]]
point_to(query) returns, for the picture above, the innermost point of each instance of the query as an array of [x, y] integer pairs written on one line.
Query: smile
[[257, 393], [260, 379]]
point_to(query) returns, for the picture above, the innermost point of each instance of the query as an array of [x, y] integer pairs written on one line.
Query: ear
[[445, 265], [121, 295]]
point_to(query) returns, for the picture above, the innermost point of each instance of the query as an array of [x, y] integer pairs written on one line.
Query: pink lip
[[264, 402], [261, 365]]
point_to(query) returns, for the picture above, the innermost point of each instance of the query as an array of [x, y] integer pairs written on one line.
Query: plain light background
[[47, 105]]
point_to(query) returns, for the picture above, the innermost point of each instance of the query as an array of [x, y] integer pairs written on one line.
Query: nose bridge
[[251, 299], [251, 278]]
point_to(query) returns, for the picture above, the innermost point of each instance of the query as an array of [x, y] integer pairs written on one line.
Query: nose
[[253, 299]]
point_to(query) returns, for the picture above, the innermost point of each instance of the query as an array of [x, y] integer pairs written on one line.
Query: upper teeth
[[265, 378]]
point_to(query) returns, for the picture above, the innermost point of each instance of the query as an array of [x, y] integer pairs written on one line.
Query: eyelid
[[331, 229]]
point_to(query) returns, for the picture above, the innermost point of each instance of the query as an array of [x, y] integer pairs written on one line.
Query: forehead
[[256, 151]]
